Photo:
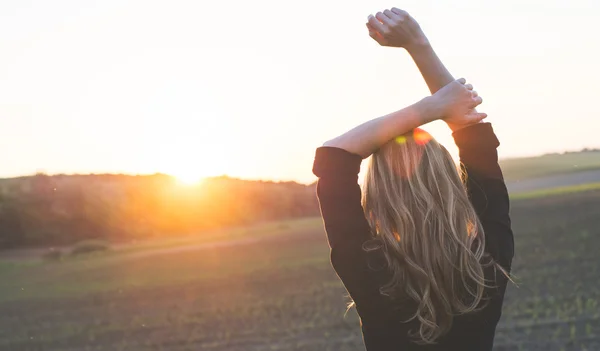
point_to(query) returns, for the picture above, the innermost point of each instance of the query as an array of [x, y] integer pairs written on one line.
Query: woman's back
[[366, 264]]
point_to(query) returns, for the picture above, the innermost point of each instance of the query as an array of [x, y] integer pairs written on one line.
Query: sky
[[251, 88]]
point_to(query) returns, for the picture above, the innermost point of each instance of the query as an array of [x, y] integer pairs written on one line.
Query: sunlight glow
[[172, 94], [189, 178], [421, 136]]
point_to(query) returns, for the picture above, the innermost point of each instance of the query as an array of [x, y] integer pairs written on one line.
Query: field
[[280, 292], [552, 164], [561, 190]]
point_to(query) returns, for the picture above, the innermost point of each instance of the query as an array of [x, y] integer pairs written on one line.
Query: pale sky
[[251, 88]]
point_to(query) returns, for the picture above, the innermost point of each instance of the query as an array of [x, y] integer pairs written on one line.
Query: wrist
[[428, 110], [419, 46], [455, 127]]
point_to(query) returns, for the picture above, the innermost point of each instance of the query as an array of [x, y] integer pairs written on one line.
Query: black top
[[347, 229]]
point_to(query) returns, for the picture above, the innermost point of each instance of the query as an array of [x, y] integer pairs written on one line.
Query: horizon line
[[273, 180]]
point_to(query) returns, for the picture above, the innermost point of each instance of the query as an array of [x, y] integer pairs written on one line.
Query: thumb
[[474, 117]]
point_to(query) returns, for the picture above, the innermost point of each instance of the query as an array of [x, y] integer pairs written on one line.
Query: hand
[[396, 28], [456, 104]]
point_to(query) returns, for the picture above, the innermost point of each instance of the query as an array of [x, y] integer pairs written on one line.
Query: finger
[[384, 19], [478, 117], [375, 35], [469, 86], [474, 94], [394, 17], [461, 80], [399, 12], [378, 26], [371, 29], [477, 101]]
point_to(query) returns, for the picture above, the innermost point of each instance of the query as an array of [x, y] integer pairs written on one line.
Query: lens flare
[[421, 137], [401, 139]]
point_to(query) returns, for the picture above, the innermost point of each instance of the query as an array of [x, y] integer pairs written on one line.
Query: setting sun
[[173, 159], [190, 178], [186, 173]]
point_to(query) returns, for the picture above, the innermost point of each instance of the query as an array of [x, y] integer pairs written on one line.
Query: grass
[[161, 244], [282, 294], [261, 230], [128, 263], [532, 167], [556, 191]]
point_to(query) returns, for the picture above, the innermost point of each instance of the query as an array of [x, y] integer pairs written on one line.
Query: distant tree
[[11, 231], [44, 210]]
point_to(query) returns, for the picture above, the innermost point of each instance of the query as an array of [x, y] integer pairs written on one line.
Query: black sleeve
[[340, 197], [347, 228], [477, 146]]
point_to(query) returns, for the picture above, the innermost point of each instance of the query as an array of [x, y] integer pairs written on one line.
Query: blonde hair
[[417, 206]]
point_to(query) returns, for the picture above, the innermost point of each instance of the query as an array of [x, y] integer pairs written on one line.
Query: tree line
[[45, 210]]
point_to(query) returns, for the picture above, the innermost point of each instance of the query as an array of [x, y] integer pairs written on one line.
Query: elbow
[[330, 143]]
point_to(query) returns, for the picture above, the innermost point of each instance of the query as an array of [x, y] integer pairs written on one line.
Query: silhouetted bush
[[53, 255], [61, 210], [89, 246]]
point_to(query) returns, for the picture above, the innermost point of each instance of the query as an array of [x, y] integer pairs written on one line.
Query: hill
[[44, 210], [550, 164]]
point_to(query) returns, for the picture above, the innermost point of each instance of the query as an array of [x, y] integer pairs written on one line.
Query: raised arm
[[337, 163], [396, 28], [476, 142], [455, 98], [477, 146]]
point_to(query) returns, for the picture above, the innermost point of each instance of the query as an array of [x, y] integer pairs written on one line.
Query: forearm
[[366, 138], [433, 70], [435, 74]]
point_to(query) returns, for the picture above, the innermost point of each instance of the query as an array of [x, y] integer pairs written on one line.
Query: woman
[[424, 252]]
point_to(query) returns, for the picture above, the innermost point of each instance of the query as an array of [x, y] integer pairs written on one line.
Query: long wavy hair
[[417, 205]]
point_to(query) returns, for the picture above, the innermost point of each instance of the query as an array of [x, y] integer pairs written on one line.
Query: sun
[[188, 178], [183, 169]]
